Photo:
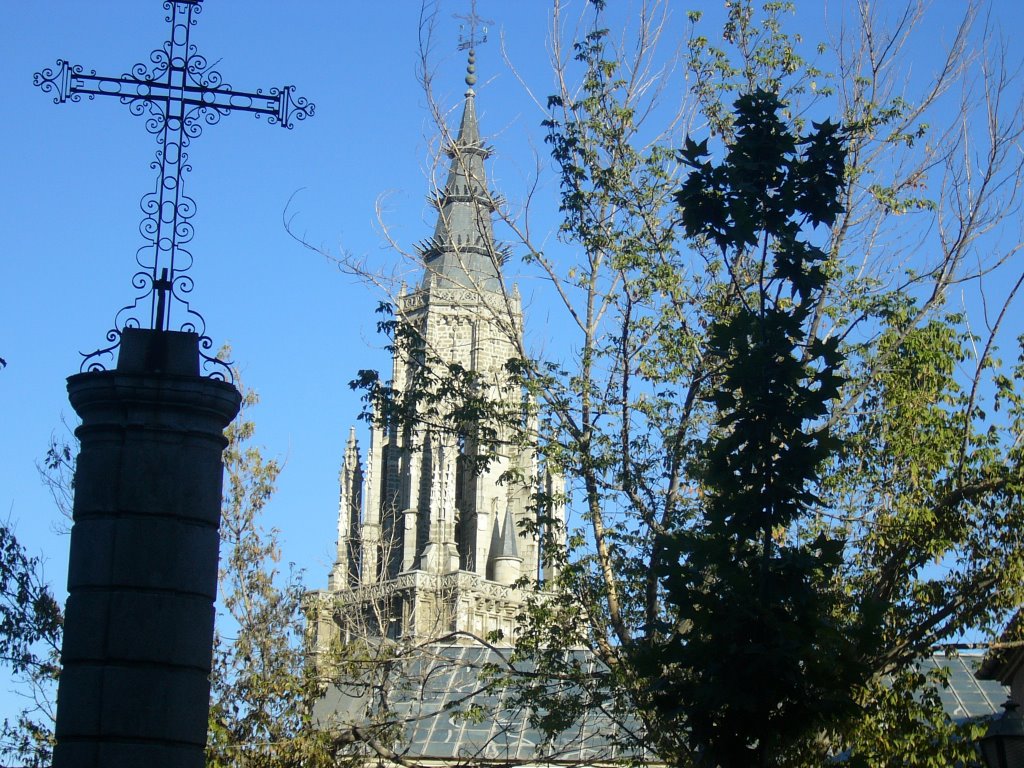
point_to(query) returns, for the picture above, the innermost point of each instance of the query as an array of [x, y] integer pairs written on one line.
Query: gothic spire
[[462, 251], [350, 500], [504, 563], [508, 536]]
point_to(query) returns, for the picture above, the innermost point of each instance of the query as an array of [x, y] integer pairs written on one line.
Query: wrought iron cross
[[178, 92]]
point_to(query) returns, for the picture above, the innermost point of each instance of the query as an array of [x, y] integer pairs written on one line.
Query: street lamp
[[1002, 746]]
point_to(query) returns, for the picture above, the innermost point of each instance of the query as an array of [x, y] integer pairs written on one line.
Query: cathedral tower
[[428, 544]]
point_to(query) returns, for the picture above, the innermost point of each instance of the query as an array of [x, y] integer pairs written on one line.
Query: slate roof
[[434, 687], [427, 692], [967, 697]]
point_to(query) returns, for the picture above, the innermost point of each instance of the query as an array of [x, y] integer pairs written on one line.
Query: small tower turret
[[505, 564], [350, 502]]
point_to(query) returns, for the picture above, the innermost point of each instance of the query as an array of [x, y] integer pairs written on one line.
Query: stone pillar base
[[142, 577]]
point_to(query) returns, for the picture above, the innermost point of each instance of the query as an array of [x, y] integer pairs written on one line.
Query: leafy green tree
[[794, 452], [742, 576], [30, 632], [262, 687], [31, 624], [266, 676]]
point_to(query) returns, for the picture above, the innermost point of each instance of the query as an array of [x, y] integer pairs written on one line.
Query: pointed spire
[[495, 550], [350, 498], [469, 130], [462, 251], [503, 537], [504, 565], [351, 455], [508, 536]]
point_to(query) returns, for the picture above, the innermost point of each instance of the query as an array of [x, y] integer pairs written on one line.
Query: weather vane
[[178, 93], [476, 24]]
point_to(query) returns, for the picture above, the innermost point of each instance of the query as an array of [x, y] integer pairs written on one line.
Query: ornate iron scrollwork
[[178, 93]]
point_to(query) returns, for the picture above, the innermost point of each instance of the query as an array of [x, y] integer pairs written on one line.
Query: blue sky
[[74, 175], [299, 329]]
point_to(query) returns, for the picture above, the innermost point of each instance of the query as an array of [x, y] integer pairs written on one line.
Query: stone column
[[142, 576]]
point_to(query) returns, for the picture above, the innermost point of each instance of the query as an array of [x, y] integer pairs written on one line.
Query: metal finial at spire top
[[471, 69], [476, 24]]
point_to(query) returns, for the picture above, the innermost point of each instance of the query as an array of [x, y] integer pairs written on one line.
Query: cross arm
[[69, 82]]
